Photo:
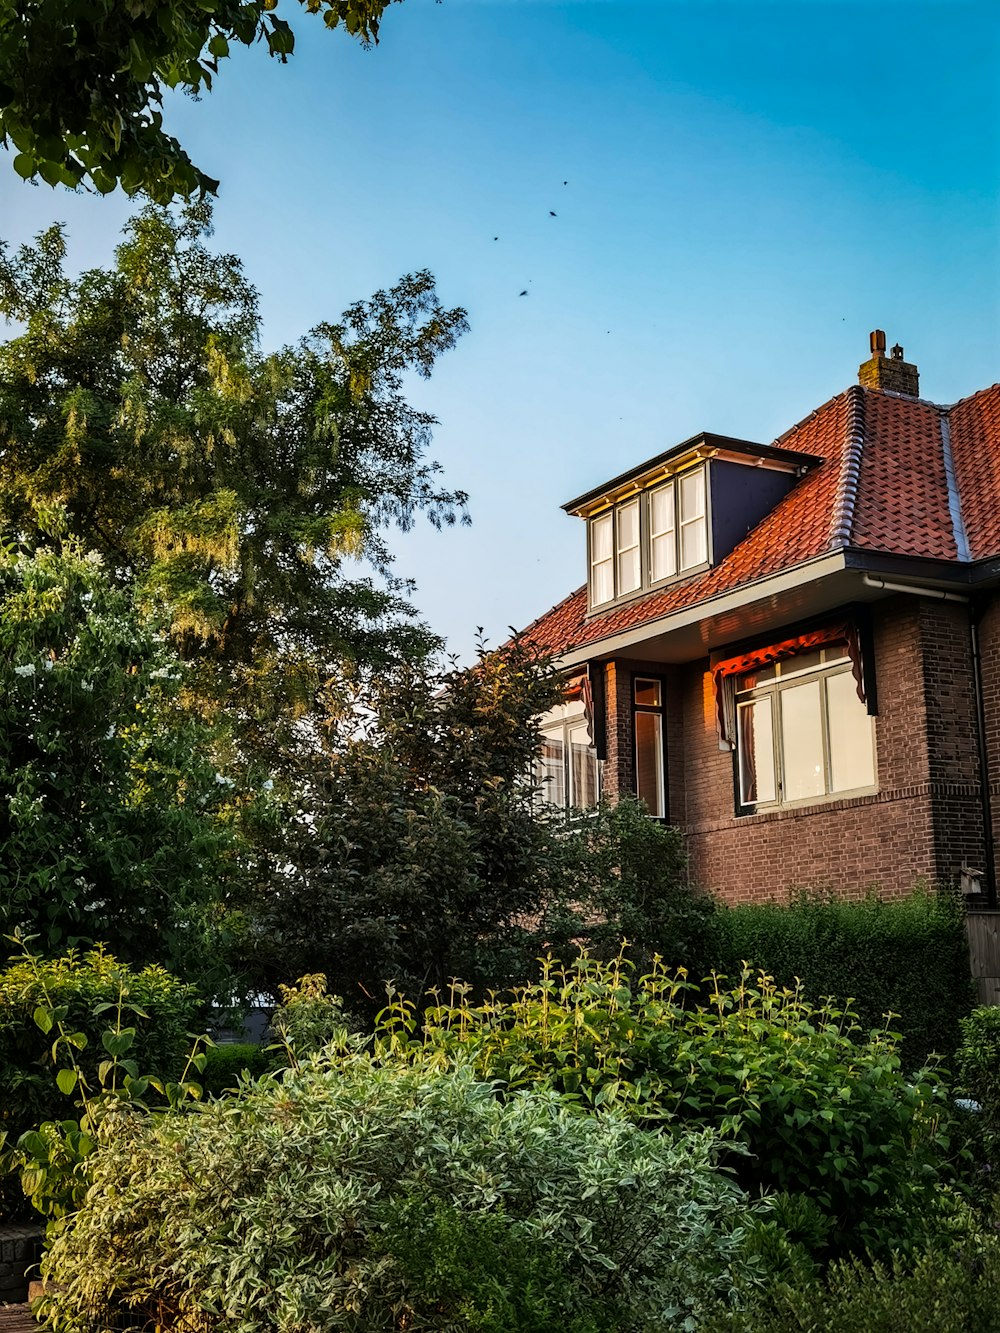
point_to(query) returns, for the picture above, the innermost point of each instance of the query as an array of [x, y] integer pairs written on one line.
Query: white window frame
[[642, 550], [787, 676], [561, 723]]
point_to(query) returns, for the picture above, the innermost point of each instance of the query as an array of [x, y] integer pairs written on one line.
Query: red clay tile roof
[[882, 486], [975, 444]]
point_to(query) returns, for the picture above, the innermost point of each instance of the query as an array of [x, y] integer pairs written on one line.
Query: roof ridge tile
[[850, 479]]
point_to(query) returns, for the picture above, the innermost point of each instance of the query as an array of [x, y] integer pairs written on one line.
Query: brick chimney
[[888, 372]]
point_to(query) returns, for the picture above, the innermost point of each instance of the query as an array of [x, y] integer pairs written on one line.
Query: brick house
[[792, 650]]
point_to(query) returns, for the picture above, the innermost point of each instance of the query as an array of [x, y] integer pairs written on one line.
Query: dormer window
[[680, 512], [652, 537]]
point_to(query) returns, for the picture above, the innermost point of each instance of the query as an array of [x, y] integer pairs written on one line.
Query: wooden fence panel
[[983, 930]]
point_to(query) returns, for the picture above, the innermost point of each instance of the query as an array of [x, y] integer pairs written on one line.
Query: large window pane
[[582, 769], [852, 758], [756, 751], [662, 543], [802, 741], [552, 775], [649, 761], [602, 573], [694, 528], [693, 495], [629, 571]]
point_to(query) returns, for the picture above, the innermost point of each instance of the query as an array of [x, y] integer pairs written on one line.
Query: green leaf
[[24, 165], [66, 1080], [43, 1018]]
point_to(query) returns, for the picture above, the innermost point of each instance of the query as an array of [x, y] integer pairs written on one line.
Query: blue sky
[[751, 188]]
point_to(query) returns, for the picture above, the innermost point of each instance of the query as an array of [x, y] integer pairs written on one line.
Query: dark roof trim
[[705, 441]]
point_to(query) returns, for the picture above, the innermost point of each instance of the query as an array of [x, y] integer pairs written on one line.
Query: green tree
[[81, 85], [249, 494], [113, 820], [414, 851]]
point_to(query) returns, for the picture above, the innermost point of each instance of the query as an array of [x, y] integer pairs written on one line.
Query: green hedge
[[163, 1010], [940, 1293], [224, 1065], [908, 956]]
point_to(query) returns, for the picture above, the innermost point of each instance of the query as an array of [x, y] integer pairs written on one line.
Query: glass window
[[802, 732], [693, 524], [652, 537], [567, 771], [582, 769], [662, 541], [649, 761], [802, 742], [647, 714], [852, 755], [756, 752], [629, 566], [602, 575], [552, 774]]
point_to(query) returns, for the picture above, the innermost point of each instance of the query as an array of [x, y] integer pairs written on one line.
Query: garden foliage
[[942, 1291], [812, 1106], [350, 1196], [414, 852], [625, 876], [89, 992], [908, 957]]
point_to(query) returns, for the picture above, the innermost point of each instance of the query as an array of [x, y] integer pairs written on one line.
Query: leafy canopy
[[112, 817], [246, 493], [82, 84]]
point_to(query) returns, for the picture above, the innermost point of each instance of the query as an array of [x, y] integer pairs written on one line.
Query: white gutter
[[915, 589], [809, 571]]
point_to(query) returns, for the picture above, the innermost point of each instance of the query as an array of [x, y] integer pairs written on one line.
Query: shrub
[[977, 1064], [812, 1106], [290, 1206], [224, 1065], [954, 1292], [907, 957], [625, 876], [93, 988]]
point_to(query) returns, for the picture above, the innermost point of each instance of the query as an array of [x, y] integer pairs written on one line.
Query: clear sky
[[742, 192]]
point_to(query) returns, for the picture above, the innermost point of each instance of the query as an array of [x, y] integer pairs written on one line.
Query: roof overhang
[[802, 592], [685, 455]]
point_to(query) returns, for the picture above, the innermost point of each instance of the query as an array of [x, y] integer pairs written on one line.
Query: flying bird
[[551, 214], [524, 293]]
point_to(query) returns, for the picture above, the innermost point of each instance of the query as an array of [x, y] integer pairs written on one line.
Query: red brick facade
[[925, 820]]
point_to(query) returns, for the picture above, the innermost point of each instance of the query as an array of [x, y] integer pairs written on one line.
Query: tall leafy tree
[[82, 84], [115, 825], [247, 494], [415, 851]]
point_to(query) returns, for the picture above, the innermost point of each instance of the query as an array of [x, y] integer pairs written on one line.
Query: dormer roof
[[681, 456]]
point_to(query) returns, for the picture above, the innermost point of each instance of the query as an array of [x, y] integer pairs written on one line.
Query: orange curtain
[[725, 671]]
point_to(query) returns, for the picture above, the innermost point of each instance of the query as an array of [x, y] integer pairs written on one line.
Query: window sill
[[819, 803], [649, 590]]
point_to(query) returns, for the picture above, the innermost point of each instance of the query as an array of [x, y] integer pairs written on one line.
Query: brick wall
[[989, 647], [923, 822]]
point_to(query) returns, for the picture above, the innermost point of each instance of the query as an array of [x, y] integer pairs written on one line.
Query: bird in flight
[[524, 293], [551, 214]]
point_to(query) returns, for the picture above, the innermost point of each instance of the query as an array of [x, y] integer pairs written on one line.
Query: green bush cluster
[[349, 1195], [810, 1105], [225, 1064], [908, 957], [95, 990], [940, 1292]]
